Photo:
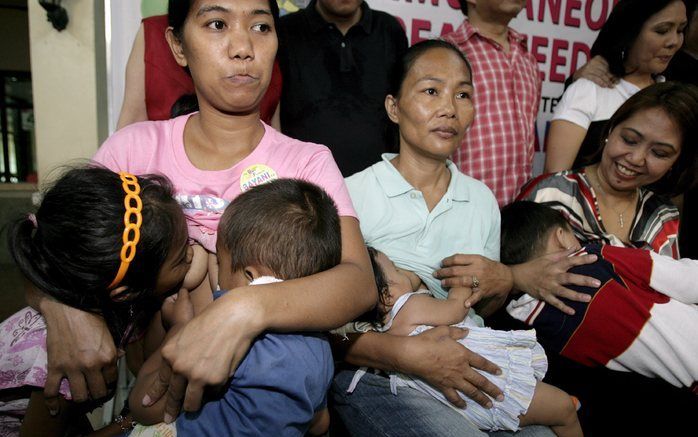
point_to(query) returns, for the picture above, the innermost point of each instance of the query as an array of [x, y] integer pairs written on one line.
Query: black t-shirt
[[334, 85]]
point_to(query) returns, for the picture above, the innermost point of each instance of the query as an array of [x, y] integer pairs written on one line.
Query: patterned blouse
[[655, 226]]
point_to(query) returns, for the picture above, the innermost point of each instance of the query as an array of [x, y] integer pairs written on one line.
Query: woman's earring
[[622, 55]]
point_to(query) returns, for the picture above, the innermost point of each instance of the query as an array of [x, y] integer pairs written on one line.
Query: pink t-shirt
[[158, 147]]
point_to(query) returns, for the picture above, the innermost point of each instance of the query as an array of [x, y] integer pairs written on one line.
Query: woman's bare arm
[[133, 108], [79, 347], [562, 145]]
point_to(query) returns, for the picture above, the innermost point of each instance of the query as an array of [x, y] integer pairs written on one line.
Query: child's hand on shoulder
[[177, 309]]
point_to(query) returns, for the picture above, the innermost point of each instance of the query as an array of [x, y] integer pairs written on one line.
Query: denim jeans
[[372, 410]]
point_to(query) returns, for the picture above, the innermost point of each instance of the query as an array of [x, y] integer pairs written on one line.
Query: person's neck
[[605, 187], [495, 28], [224, 134], [640, 80], [343, 24], [428, 175]]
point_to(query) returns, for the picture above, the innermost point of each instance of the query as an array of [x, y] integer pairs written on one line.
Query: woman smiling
[[638, 41], [649, 147]]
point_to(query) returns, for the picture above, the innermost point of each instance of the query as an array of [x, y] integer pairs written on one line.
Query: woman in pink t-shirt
[[211, 157]]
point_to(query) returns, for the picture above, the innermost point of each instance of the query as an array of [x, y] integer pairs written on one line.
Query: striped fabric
[[498, 148], [655, 226], [643, 318]]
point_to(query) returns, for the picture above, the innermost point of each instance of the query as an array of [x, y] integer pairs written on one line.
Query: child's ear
[[252, 273], [121, 294], [565, 239]]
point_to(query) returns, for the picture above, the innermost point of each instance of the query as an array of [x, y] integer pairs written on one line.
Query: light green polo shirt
[[395, 220]]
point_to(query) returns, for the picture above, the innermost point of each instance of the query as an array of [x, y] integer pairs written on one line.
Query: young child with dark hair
[[406, 307], [643, 318], [112, 244], [281, 230]]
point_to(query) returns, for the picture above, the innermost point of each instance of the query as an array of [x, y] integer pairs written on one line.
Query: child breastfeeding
[[93, 244], [282, 230], [643, 318], [407, 307]]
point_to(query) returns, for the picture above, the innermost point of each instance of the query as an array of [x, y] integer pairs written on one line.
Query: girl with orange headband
[[93, 244]]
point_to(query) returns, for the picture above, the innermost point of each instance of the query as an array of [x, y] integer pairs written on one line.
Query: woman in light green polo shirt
[[418, 209]]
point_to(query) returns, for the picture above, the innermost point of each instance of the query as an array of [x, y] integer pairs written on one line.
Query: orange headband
[[132, 230]]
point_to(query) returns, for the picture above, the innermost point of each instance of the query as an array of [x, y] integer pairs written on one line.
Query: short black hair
[[289, 226], [621, 29], [375, 315], [72, 254], [525, 228]]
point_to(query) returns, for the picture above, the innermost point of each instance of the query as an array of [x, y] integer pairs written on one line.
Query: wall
[[14, 39], [15, 199], [64, 81]]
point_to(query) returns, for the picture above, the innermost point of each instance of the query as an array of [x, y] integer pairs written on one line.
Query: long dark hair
[[620, 31], [72, 253]]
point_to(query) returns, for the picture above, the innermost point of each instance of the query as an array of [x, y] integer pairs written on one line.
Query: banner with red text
[[560, 34]]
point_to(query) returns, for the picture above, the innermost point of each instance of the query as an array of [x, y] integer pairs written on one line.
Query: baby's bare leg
[[553, 407]]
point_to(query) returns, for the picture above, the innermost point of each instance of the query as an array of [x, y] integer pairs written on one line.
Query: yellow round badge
[[256, 174]]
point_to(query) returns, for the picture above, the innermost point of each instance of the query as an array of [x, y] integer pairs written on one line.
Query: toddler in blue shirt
[[281, 230]]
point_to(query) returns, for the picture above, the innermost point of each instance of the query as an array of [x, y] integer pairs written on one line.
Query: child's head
[[286, 228], [71, 248], [530, 230], [391, 282]]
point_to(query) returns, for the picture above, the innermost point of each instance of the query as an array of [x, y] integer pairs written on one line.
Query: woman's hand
[[436, 357], [597, 71], [484, 277], [545, 278], [80, 348], [205, 352]]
